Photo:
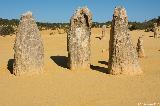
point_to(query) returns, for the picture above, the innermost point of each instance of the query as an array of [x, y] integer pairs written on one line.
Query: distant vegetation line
[[10, 26]]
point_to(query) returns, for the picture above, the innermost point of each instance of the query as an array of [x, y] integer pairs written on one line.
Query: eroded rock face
[[123, 57], [28, 47], [140, 49], [79, 39]]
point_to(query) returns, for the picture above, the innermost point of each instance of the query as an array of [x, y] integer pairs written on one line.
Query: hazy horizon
[[59, 11]]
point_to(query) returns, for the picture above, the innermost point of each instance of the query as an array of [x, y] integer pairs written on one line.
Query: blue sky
[[62, 10]]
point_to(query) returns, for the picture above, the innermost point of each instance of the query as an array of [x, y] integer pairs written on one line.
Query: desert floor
[[58, 86]]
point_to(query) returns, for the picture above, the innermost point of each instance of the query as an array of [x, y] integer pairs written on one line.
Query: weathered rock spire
[[156, 30], [123, 57], [28, 47], [140, 49], [79, 39], [103, 32]]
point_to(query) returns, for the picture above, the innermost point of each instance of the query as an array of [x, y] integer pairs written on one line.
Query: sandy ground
[[58, 86]]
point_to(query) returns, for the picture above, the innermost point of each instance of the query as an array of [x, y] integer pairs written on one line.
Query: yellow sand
[[58, 86]]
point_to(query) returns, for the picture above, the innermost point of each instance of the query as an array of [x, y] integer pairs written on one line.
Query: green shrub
[[7, 30]]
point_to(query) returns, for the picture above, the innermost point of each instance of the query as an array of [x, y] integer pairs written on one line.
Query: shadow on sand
[[98, 37], [60, 61], [100, 69], [10, 65], [103, 62], [151, 36]]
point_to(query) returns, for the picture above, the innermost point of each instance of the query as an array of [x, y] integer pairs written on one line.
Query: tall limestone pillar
[[79, 39], [28, 47], [140, 49], [123, 58], [103, 32], [156, 30]]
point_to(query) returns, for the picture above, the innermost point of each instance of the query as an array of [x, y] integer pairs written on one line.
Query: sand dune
[[58, 86]]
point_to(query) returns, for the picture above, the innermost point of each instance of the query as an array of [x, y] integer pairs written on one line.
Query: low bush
[[7, 30]]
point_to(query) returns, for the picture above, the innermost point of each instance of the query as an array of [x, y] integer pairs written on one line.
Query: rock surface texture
[[28, 47], [79, 39], [123, 58]]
